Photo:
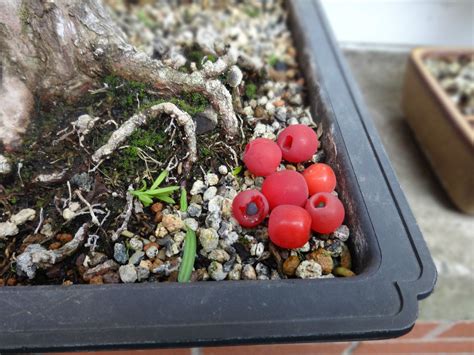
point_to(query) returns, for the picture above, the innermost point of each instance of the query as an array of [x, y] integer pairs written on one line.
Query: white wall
[[402, 22]]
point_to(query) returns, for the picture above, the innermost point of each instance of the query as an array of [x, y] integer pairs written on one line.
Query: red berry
[[289, 226], [262, 156], [285, 187], [250, 208], [327, 212], [320, 178], [298, 143]]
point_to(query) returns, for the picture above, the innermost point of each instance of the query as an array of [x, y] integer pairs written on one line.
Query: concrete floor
[[448, 233]]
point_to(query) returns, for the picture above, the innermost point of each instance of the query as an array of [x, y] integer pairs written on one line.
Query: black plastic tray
[[394, 266]]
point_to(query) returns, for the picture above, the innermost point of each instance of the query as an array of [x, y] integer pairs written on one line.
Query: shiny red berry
[[289, 226], [320, 178], [250, 208], [298, 143], [285, 187], [262, 156], [327, 212]]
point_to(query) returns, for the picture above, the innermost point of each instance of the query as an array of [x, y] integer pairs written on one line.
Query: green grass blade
[[189, 255], [183, 200], [166, 199], [163, 190], [147, 201], [159, 179]]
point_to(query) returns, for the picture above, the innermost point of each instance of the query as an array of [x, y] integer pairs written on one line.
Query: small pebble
[[198, 188], [234, 76], [216, 271], [128, 273], [209, 193], [248, 272], [223, 170], [172, 223], [342, 233], [323, 258], [136, 244], [309, 269], [191, 223], [120, 253], [194, 210], [290, 265], [219, 255], [142, 273], [209, 239], [151, 250], [236, 272], [211, 179], [136, 258]]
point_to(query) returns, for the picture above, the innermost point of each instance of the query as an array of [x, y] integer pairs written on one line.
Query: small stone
[[5, 165], [211, 179], [213, 220], [111, 278], [257, 249], [208, 238], [248, 111], [157, 207], [136, 258], [157, 266], [194, 210], [248, 272], [281, 114], [342, 233], [234, 76], [259, 130], [68, 214], [342, 271], [259, 111], [230, 239], [309, 269], [235, 273], [120, 253], [198, 188], [223, 170], [346, 259], [8, 229], [209, 193], [147, 264], [191, 223], [290, 265], [136, 244], [323, 258], [100, 269], [306, 121], [142, 273], [158, 217], [293, 121], [275, 275], [27, 214], [179, 237], [263, 272], [219, 255], [216, 271], [215, 204], [96, 258], [64, 237], [96, 280], [172, 223], [151, 250], [305, 248], [172, 249], [226, 208], [128, 273], [83, 180]]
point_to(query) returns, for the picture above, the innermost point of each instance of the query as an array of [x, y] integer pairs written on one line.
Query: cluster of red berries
[[298, 202]]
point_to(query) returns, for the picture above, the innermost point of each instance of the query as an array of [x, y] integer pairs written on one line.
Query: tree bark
[[58, 49]]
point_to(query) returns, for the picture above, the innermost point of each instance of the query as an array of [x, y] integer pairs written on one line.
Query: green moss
[[250, 90], [252, 11], [197, 56], [273, 60], [145, 19], [24, 16]]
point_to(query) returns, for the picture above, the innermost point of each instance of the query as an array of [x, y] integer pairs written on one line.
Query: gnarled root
[[37, 257], [128, 127]]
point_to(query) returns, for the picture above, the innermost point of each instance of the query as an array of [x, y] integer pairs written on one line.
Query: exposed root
[[95, 220], [37, 257], [119, 136]]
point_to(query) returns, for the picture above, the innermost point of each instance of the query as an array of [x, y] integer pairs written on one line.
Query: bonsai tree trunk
[[58, 49]]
